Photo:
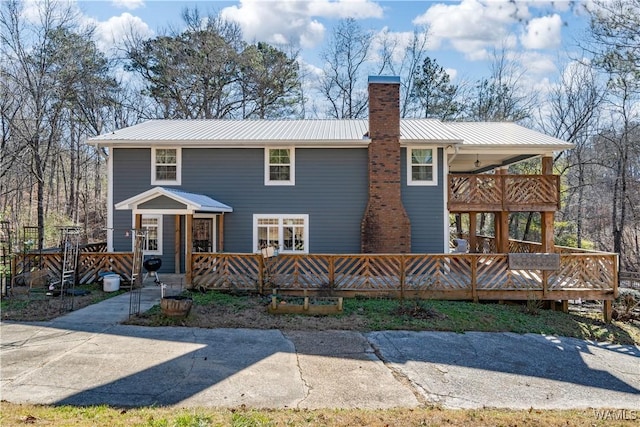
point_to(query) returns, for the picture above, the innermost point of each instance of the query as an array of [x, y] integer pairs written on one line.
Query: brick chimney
[[385, 227]]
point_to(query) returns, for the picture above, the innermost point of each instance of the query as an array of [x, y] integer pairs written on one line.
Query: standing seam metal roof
[[489, 134]]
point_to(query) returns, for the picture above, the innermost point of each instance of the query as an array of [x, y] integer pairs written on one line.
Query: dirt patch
[[417, 311], [37, 306], [251, 314]]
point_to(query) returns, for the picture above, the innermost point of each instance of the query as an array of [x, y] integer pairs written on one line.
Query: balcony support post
[[473, 230], [547, 217]]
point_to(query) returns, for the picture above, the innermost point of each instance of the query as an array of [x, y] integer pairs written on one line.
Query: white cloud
[[543, 33], [112, 32], [358, 9], [295, 21], [453, 73], [473, 26], [128, 4], [538, 64]]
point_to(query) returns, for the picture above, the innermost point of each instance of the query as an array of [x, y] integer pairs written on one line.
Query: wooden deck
[[503, 193], [451, 276]]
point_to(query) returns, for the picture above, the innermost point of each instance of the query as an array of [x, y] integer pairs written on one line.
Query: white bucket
[[111, 283]]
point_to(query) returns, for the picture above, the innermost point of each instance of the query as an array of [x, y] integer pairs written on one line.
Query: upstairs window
[[421, 166], [165, 166], [279, 166]]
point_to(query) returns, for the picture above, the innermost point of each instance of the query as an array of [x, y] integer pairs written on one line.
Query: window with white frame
[[422, 166], [279, 168], [287, 233], [166, 166], [153, 240]]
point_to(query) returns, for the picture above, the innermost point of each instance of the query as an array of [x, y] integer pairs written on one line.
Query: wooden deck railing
[[452, 276], [440, 276], [510, 193], [90, 264]]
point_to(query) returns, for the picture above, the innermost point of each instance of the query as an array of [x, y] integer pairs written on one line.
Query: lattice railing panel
[[90, 265], [524, 279], [437, 272], [493, 193], [226, 271], [300, 272], [531, 189], [492, 272], [474, 189], [366, 272], [584, 271]]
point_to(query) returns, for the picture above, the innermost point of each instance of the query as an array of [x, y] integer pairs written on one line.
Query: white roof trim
[[194, 202]]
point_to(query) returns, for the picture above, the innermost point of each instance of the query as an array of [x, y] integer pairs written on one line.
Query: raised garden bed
[[304, 305]]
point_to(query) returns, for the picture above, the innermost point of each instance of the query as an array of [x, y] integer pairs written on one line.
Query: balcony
[[503, 193]]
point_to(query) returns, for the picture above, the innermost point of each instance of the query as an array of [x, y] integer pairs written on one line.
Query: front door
[[203, 235]]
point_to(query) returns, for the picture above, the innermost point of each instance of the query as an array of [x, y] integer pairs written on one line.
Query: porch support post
[[502, 221], [547, 217], [176, 245], [473, 224], [503, 218], [220, 232], [138, 222], [188, 228]]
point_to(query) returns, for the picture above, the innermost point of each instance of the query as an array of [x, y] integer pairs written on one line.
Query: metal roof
[[194, 202], [504, 135], [239, 132], [347, 133]]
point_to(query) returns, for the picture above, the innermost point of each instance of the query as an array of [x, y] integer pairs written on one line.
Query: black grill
[[152, 264]]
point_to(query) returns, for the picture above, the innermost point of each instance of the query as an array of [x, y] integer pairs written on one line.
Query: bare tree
[[574, 107], [405, 62], [345, 58], [501, 96]]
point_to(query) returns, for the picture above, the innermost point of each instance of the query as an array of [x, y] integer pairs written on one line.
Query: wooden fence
[[444, 276], [454, 276], [90, 264]]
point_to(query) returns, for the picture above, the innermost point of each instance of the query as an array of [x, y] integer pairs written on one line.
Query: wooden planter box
[[176, 306], [307, 307]]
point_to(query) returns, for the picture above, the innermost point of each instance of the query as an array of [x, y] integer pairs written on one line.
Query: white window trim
[[281, 217], [267, 175], [178, 179], [410, 180], [133, 223]]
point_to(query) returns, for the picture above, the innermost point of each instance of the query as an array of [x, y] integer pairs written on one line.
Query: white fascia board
[[433, 142], [511, 149], [132, 202]]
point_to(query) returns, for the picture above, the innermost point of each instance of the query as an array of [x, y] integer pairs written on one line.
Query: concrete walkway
[[87, 357]]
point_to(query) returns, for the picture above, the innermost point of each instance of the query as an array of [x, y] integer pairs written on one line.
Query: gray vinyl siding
[[162, 202], [426, 210], [330, 186]]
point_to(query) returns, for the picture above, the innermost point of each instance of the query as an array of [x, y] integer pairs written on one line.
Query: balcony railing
[[506, 193]]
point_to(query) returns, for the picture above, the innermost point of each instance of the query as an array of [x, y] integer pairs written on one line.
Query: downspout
[[455, 153]]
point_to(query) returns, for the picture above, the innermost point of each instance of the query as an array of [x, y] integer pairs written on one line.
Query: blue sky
[[462, 34]]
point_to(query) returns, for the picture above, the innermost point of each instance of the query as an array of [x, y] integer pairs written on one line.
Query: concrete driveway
[[87, 358]]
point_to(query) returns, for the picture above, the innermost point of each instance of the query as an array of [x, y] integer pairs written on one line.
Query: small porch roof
[[174, 201]]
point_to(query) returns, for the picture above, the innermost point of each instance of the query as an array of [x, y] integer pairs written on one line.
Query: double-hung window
[[422, 166], [166, 166], [279, 167], [287, 233], [152, 244]]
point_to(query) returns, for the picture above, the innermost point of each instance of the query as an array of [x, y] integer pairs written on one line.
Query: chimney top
[[384, 79]]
